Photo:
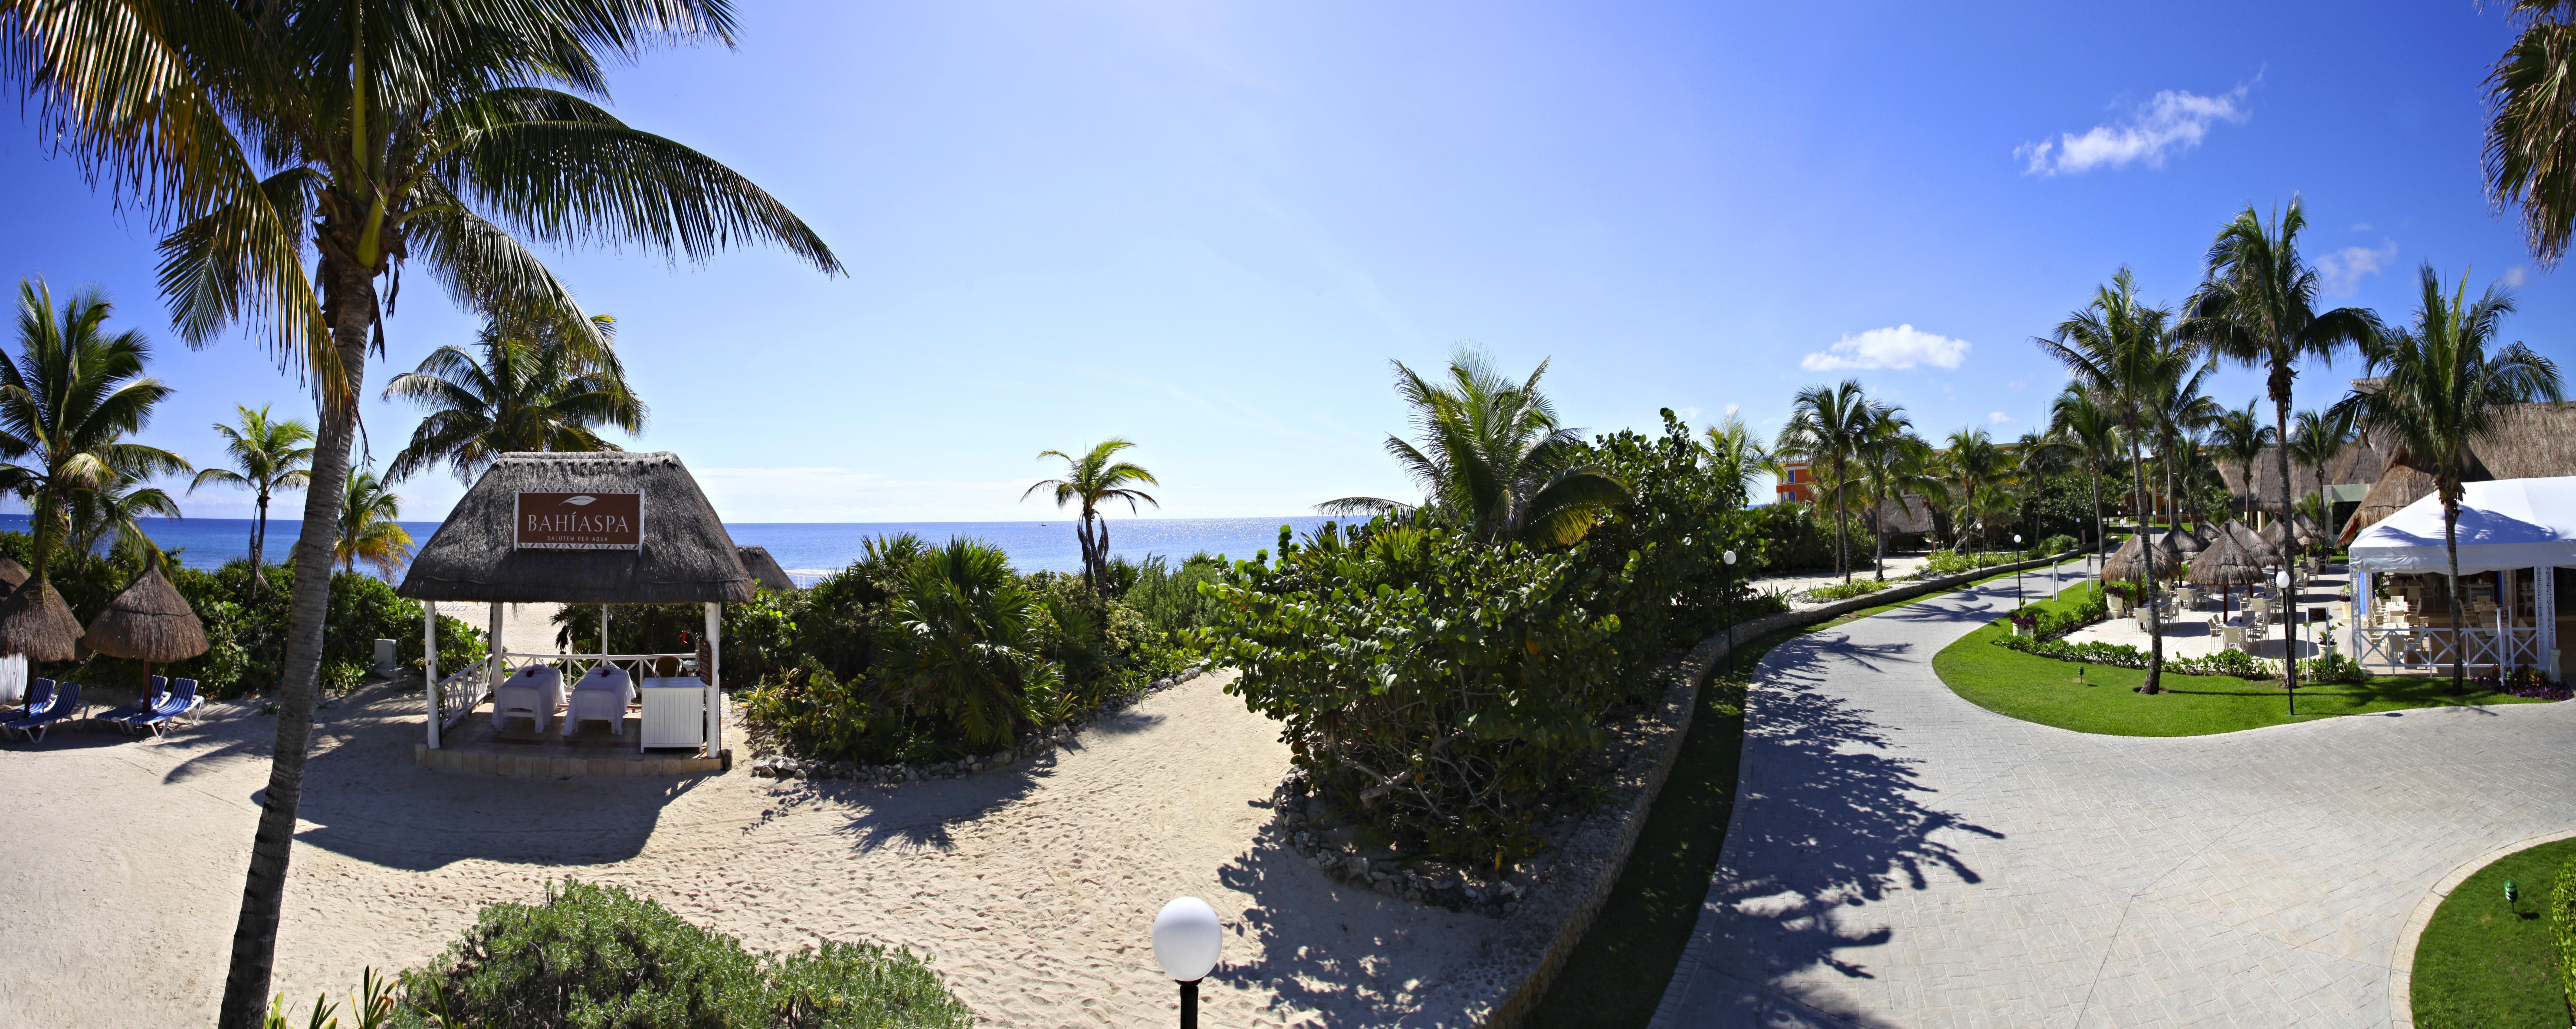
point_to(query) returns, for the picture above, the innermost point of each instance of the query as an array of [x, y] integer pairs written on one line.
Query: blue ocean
[[816, 546]]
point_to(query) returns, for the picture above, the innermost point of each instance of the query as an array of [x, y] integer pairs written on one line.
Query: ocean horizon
[[208, 543]]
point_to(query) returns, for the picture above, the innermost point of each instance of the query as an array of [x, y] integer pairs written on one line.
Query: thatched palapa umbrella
[[34, 621], [148, 621], [764, 569], [2224, 565], [12, 572], [2256, 548], [2123, 565], [2187, 542]]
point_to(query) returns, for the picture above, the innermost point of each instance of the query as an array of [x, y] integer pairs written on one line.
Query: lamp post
[[1186, 942], [2016, 574], [1727, 583], [2289, 636]]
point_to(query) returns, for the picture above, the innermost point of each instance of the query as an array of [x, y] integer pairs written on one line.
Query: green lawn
[[2485, 965], [2099, 699]]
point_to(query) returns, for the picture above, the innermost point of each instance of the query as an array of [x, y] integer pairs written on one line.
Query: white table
[[674, 712]]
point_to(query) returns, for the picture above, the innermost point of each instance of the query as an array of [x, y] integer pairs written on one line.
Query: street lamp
[[2016, 574], [2289, 637], [1728, 586], [1186, 941]]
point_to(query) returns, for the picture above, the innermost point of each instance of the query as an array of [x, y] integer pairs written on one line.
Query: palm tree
[[1828, 424], [2181, 411], [2120, 350], [2094, 434], [2316, 438], [268, 455], [2531, 134], [2257, 306], [1894, 465], [1493, 459], [365, 135], [1980, 472], [369, 530], [68, 400], [112, 509], [1089, 480], [2240, 436], [1733, 445], [536, 385], [2445, 394]]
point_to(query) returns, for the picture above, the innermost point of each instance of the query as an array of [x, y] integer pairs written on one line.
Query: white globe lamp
[[1187, 941]]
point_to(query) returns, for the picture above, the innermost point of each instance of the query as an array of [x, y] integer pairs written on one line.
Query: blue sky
[[1207, 227]]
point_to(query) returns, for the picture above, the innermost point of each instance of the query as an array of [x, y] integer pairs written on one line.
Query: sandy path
[[1032, 889], [525, 628]]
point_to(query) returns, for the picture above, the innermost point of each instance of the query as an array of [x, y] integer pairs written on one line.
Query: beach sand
[[1032, 888], [525, 628]]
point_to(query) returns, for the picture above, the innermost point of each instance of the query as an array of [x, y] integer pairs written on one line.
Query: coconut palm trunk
[[2280, 387], [246, 986], [2451, 588], [2147, 577], [2099, 538]]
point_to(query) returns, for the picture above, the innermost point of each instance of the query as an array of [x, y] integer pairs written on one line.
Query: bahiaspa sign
[[595, 520]]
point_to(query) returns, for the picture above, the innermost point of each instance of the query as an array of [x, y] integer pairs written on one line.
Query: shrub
[[1846, 590], [1952, 562], [2562, 924], [2226, 662], [1437, 688], [2332, 668], [594, 957], [1167, 599], [2057, 544]]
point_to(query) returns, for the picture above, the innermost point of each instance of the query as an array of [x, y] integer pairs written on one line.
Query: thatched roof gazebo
[[2187, 542], [2124, 562], [148, 621], [2224, 564], [2257, 549], [12, 573], [596, 528], [764, 569], [35, 622]]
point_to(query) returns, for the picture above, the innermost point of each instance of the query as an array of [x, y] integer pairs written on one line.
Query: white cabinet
[[674, 712]]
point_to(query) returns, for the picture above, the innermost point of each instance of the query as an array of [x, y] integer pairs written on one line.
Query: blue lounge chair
[[142, 705], [181, 700], [66, 700], [39, 694]]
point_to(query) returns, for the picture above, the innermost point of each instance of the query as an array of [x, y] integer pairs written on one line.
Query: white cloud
[[2000, 418], [2515, 276], [1899, 348], [2171, 122], [2361, 226], [2343, 269]]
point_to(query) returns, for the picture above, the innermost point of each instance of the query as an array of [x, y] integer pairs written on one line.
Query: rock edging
[[1537, 937], [892, 775]]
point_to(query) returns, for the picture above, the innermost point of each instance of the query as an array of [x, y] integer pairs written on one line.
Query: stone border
[[2401, 962], [480, 763], [1534, 941]]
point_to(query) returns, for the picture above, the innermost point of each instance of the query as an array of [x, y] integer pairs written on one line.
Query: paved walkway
[[1901, 857]]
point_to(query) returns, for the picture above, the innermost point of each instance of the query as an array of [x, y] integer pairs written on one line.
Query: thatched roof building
[[35, 622], [764, 569], [148, 621], [2533, 441], [610, 528]]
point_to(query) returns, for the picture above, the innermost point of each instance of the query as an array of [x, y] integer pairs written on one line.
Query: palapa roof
[[2355, 463], [2187, 541], [1913, 517], [12, 572], [2257, 549], [2224, 564], [148, 621], [685, 554], [2531, 441], [764, 569], [34, 621], [2404, 484], [2123, 563]]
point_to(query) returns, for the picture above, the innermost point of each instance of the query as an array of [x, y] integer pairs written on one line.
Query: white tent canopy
[[2511, 523]]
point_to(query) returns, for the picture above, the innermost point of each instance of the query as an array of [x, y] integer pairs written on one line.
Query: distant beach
[[823, 546]]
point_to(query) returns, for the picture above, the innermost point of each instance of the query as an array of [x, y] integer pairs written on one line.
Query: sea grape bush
[[1437, 688], [2120, 655]]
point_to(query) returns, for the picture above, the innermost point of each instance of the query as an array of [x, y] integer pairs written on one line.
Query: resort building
[[1796, 483]]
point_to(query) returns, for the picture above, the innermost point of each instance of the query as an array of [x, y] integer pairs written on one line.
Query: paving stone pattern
[[1901, 857]]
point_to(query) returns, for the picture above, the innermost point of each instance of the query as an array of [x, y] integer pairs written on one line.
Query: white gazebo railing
[[2431, 649]]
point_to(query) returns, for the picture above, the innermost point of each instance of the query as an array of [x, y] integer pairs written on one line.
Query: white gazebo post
[[714, 673], [429, 664], [2544, 616], [603, 635], [492, 652]]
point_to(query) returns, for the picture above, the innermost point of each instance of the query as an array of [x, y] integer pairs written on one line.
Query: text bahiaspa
[[592, 520]]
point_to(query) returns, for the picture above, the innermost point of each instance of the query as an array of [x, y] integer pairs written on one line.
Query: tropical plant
[[2239, 436], [2120, 350], [365, 135], [2182, 412], [2077, 421], [1980, 475], [268, 455], [1827, 426], [68, 400], [2315, 439], [1893, 466], [1493, 459], [2449, 386], [110, 514], [369, 527], [1090, 479], [1732, 444], [2531, 128], [961, 641], [536, 385]]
